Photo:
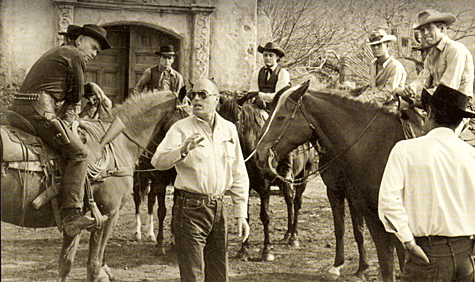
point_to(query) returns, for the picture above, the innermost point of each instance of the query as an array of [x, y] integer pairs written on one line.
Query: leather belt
[[191, 195], [42, 102], [429, 240]]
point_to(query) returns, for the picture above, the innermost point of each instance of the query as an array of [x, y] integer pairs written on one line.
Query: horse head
[[287, 117]]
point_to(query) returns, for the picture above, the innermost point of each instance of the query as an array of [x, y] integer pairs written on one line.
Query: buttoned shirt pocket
[[229, 148]]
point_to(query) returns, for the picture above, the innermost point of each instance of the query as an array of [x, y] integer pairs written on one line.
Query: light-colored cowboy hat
[[379, 36], [90, 30], [432, 16], [449, 100], [167, 50], [272, 47]]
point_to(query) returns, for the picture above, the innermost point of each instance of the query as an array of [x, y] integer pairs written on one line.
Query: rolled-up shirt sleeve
[[390, 204]]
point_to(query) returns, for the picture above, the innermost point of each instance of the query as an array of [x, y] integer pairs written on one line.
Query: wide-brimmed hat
[[90, 30], [167, 50], [379, 36], [449, 100], [432, 16], [71, 27], [272, 47]]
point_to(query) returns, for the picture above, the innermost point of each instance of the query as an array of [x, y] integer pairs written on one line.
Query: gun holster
[[57, 127]]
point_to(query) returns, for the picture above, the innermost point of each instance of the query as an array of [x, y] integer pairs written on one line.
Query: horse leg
[[384, 247], [337, 204], [66, 257], [289, 196], [161, 213], [97, 245], [294, 240], [358, 231], [149, 226], [137, 195], [267, 254]]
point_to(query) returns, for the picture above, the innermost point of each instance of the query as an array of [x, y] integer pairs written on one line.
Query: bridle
[[273, 154]]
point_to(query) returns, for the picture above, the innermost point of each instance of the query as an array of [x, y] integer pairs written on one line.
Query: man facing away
[[205, 151], [427, 191], [58, 76], [161, 77], [386, 73]]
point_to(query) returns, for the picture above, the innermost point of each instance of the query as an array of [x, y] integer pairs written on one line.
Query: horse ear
[[300, 91], [182, 94]]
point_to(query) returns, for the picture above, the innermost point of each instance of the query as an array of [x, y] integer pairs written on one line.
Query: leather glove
[[415, 252]]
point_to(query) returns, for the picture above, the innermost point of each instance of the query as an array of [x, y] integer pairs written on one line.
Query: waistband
[[30, 96], [429, 240], [191, 195]]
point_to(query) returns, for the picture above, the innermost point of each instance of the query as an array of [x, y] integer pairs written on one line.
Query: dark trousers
[[451, 259], [201, 237], [75, 154]]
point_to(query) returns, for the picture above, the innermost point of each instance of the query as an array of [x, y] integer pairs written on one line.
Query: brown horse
[[143, 116], [356, 138], [150, 182], [249, 121]]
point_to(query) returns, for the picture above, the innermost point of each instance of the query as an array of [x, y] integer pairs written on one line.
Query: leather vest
[[269, 86], [154, 79]]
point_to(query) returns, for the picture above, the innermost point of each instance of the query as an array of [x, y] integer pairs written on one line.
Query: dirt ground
[[31, 255]]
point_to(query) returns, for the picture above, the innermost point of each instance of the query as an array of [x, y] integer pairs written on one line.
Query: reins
[[325, 166]]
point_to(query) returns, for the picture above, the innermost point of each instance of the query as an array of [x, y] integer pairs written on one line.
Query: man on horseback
[[58, 76], [427, 191], [271, 78], [267, 81], [386, 73], [162, 76]]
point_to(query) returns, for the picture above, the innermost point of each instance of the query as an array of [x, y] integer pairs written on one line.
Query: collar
[[385, 63], [442, 43], [171, 71], [272, 68], [202, 121], [441, 132]]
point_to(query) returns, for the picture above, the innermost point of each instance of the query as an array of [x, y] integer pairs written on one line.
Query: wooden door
[[110, 67], [144, 41]]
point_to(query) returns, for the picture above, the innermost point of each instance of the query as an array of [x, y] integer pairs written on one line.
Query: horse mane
[[252, 119], [348, 98], [135, 106], [229, 109]]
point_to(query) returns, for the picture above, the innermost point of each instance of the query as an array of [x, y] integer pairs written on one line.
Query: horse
[[249, 120], [153, 183], [356, 138], [143, 116]]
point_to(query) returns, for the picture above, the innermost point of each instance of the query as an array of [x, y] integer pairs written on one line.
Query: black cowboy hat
[[167, 50], [432, 16], [90, 30], [272, 47], [71, 27], [448, 99]]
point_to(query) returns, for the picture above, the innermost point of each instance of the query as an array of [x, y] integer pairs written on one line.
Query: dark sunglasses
[[203, 94]]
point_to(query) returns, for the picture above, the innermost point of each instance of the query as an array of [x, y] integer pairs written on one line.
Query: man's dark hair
[[446, 116]]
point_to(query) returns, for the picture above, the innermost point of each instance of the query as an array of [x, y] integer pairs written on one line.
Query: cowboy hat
[[166, 50], [379, 36], [272, 47], [93, 31], [448, 100], [432, 16], [71, 27]]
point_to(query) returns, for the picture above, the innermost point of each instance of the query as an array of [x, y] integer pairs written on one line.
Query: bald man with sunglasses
[[204, 148]]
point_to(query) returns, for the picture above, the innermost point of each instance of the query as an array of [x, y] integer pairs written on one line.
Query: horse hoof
[[160, 250], [242, 255], [334, 270], [103, 276], [151, 238], [294, 243], [138, 237], [108, 271], [268, 257]]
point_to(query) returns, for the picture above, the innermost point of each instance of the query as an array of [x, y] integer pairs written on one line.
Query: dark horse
[[153, 183], [357, 138], [143, 116], [249, 120]]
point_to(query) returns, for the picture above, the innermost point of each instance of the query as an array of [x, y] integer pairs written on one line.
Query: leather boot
[[74, 221]]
